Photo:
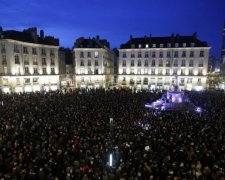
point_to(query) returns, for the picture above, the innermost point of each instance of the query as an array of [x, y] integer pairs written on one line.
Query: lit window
[[146, 46], [139, 46], [96, 54]]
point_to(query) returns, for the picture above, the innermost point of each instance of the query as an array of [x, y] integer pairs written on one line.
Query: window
[[27, 80], [168, 45], [182, 71], [89, 62], [161, 45], [89, 54], [176, 54], [160, 63], [124, 63], [89, 71], [96, 54], [43, 52], [132, 55], [16, 48], [124, 55], [145, 81], [52, 54], [146, 54], [168, 63], [161, 54], [82, 71], [146, 46], [183, 63], [17, 81], [131, 82], [139, 54], [139, 46], [25, 51], [160, 72], [96, 71], [124, 71], [3, 50], [4, 59], [200, 63], [199, 81], [192, 44], [132, 63], [132, 71], [52, 61], [153, 54], [138, 71], [44, 71], [82, 79], [167, 71], [176, 45], [81, 62], [26, 70], [201, 54], [34, 51], [35, 80], [191, 53], [190, 72], [145, 70], [43, 61], [52, 70], [35, 62], [191, 64], [153, 63], [139, 62], [35, 71], [168, 54], [183, 53], [5, 81], [175, 63], [146, 62], [152, 71], [96, 62], [174, 71], [132, 46], [17, 60], [81, 54], [154, 45], [189, 80], [184, 44]]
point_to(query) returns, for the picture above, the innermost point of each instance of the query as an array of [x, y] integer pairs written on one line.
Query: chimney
[[42, 35], [97, 37], [194, 35], [1, 30], [131, 37], [33, 32]]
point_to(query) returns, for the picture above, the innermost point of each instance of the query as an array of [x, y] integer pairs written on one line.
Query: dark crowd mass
[[69, 136]]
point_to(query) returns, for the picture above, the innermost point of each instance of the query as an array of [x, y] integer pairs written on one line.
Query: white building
[[28, 62], [93, 63], [151, 62]]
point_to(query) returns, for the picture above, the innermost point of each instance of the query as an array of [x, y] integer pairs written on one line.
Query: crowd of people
[[69, 136]]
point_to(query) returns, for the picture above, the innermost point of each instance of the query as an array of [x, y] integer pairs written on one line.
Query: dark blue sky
[[115, 20]]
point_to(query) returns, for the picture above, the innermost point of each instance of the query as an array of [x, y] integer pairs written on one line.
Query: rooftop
[[30, 36], [163, 42]]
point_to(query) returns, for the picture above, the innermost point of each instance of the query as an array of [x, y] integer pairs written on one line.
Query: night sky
[[115, 20]]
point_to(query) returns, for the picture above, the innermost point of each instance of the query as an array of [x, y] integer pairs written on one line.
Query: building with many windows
[[28, 62], [93, 63], [223, 46], [151, 62]]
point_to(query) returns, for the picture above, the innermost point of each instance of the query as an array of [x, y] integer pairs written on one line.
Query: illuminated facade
[[94, 63], [28, 62], [151, 62]]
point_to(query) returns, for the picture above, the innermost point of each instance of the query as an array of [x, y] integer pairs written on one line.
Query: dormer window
[[168, 45], [192, 44], [184, 44], [154, 45], [146, 46], [132, 45], [139, 45], [161, 45], [176, 45]]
